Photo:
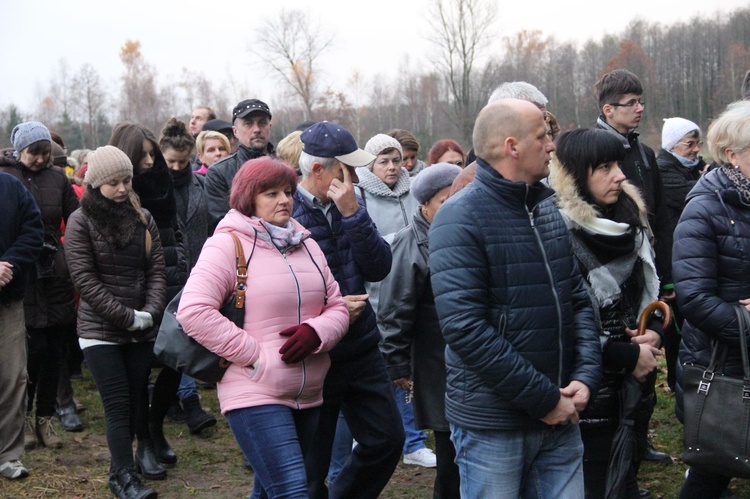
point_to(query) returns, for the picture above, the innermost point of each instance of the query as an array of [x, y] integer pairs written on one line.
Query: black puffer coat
[[192, 213], [412, 343], [711, 269], [49, 298], [114, 282]]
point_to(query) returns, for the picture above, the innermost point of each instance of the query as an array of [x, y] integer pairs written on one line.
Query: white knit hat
[[675, 129], [107, 163], [381, 142]]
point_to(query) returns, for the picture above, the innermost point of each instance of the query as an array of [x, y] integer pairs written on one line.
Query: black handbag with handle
[[184, 354], [717, 411]]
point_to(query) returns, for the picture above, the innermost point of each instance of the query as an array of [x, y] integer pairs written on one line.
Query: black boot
[[175, 412], [146, 462], [69, 418], [164, 452], [197, 418], [126, 484]]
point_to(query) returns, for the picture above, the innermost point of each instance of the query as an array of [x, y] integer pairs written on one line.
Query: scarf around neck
[[739, 181], [284, 238], [371, 183], [687, 163]]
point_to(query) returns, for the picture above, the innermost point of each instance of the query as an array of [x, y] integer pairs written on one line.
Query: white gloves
[[142, 320]]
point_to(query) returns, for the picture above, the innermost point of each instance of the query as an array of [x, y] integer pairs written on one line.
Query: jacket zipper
[[299, 320], [554, 293]]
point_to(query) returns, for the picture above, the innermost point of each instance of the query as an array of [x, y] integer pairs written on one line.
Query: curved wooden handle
[[650, 309]]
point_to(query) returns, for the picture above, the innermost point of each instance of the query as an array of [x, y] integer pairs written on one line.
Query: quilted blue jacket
[[711, 265], [356, 253], [513, 309]]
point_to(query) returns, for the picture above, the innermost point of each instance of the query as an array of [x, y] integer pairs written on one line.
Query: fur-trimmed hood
[[572, 204]]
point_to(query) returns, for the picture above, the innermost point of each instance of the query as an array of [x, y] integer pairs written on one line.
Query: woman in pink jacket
[[294, 313]]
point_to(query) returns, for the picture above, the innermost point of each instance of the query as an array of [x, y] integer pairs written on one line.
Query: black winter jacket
[[639, 166], [49, 298], [711, 269], [192, 213], [412, 343], [512, 304], [355, 253], [678, 181], [219, 178], [21, 235]]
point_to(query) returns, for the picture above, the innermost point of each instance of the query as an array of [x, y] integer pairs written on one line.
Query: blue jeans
[[342, 448], [187, 387], [546, 463], [273, 439], [415, 439]]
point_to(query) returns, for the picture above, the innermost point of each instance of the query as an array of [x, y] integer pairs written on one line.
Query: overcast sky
[[373, 38]]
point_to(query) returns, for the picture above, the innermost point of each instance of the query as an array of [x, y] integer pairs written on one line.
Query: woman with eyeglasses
[[446, 151], [680, 165]]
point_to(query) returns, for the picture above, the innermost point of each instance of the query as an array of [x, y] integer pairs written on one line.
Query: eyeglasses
[[691, 143], [630, 103], [457, 163]]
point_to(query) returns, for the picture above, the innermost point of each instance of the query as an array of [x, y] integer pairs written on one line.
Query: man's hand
[[6, 274], [745, 303], [579, 393], [646, 361], [649, 337], [355, 304], [342, 194], [404, 383], [667, 296], [564, 413]]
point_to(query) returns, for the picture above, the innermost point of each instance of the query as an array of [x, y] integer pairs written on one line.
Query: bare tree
[[460, 33], [90, 96], [292, 46], [140, 98]]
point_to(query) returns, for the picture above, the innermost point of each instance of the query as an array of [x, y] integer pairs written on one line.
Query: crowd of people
[[500, 297]]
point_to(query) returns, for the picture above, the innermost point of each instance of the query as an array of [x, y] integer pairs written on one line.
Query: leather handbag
[[717, 411], [176, 349]]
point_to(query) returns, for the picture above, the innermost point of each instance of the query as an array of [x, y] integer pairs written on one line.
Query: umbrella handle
[[649, 310]]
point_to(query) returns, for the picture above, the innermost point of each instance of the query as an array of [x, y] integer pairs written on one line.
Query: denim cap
[[25, 134], [330, 140]]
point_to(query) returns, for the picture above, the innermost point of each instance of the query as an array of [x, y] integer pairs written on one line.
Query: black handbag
[[717, 411], [176, 349]]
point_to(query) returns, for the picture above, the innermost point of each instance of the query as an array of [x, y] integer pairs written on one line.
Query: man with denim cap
[[357, 383], [522, 348], [21, 238], [251, 123]]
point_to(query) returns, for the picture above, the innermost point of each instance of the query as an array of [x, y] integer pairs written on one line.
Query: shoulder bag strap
[[241, 273], [149, 243]]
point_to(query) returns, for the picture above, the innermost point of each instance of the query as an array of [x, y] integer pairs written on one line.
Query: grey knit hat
[[433, 178], [106, 164], [25, 134], [381, 142]]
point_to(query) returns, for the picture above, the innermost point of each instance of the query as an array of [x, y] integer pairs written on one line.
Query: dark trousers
[[597, 444], [70, 362], [703, 485], [447, 479], [672, 338], [164, 394], [120, 372], [360, 388], [43, 365]]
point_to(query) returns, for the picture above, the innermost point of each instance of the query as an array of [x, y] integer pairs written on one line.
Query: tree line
[[690, 69]]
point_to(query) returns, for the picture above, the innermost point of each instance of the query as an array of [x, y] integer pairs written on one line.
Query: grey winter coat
[[412, 343]]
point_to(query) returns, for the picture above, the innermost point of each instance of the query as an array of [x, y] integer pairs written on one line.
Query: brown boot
[[29, 437], [46, 434]]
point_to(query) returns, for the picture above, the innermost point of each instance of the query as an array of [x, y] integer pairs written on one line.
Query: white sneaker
[[423, 457], [13, 470]]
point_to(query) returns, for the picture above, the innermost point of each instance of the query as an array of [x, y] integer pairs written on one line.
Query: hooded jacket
[[283, 290], [512, 304], [711, 265]]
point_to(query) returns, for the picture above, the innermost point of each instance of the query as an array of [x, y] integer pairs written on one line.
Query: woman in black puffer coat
[[711, 263], [153, 184]]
